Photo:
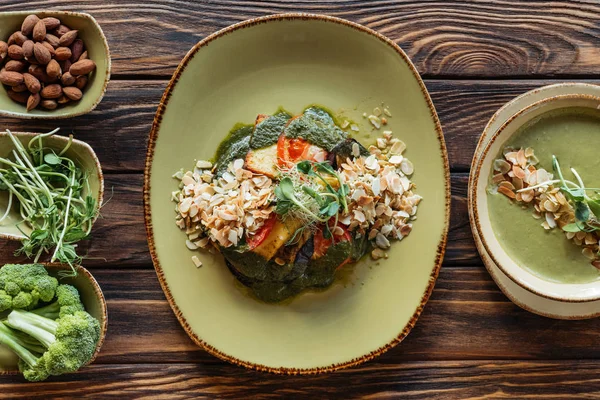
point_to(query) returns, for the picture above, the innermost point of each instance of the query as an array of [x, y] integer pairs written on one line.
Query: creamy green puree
[[573, 135]]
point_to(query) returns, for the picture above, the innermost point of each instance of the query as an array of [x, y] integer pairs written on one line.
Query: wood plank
[[118, 129], [450, 38], [467, 318], [410, 380], [119, 236]]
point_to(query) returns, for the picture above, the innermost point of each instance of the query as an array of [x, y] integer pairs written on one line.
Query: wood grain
[[119, 237], [410, 380], [467, 318], [443, 38], [118, 129], [470, 342], [456, 349]]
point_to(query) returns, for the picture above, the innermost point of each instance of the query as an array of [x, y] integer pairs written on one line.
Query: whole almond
[[19, 38], [39, 31], [33, 101], [77, 50], [53, 40], [68, 38], [73, 93], [49, 104], [11, 78], [28, 24], [51, 23], [67, 79], [65, 65], [37, 71], [53, 69], [15, 65], [49, 47], [19, 88], [28, 49], [62, 53], [15, 52], [63, 100], [18, 97], [42, 55], [3, 50], [33, 84], [81, 82], [84, 56], [82, 67], [61, 30], [53, 91]]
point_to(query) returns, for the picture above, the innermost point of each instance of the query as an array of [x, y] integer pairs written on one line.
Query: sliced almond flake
[[375, 121], [507, 192], [238, 164], [190, 245], [521, 159], [550, 221], [196, 261], [587, 252], [396, 159], [355, 150]]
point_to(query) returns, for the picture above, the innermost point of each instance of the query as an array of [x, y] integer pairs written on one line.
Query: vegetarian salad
[[290, 199]]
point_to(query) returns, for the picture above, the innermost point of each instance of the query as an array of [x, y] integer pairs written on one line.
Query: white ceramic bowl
[[580, 292]]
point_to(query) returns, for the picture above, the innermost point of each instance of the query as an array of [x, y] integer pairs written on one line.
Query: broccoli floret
[[12, 289], [5, 301], [22, 300], [27, 284], [69, 342], [67, 302]]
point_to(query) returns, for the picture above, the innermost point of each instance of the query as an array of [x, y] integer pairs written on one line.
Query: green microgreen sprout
[[586, 207], [305, 193], [52, 197]]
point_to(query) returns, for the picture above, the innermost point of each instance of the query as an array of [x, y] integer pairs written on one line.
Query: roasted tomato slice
[[322, 245], [294, 150], [256, 239]]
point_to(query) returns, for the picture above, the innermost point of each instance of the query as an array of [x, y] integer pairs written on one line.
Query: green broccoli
[[23, 286], [68, 343], [67, 302]]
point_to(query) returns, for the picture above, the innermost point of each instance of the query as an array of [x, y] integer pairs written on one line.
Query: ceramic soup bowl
[[97, 48], [93, 301], [566, 292], [79, 151]]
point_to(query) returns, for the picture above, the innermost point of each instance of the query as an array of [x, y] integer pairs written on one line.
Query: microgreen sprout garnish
[[586, 208], [48, 190], [306, 192]]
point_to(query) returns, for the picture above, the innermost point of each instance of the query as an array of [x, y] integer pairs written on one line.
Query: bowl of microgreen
[[536, 198], [51, 190], [49, 325]]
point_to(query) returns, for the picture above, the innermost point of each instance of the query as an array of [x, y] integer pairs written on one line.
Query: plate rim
[[571, 88], [441, 247]]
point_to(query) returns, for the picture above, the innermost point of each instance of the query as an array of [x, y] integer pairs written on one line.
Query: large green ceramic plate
[[293, 61]]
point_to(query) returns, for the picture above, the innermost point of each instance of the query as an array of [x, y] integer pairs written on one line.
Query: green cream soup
[[573, 135]]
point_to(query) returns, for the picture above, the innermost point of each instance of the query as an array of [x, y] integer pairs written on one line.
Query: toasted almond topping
[[507, 192], [196, 261]]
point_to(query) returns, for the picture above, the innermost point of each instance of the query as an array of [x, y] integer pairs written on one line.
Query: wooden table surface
[[470, 342]]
